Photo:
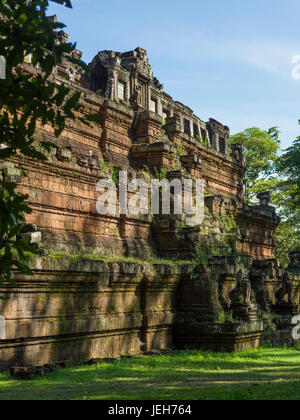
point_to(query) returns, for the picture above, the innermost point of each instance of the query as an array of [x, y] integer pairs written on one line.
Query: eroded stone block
[[2, 328], [64, 154]]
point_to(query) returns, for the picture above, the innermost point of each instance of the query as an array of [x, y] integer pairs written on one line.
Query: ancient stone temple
[[106, 286]]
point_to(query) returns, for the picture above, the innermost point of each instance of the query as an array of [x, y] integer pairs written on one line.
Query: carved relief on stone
[[157, 83], [241, 295], [72, 74], [136, 97], [137, 59], [214, 131], [238, 154], [64, 154], [221, 293], [133, 71], [141, 54], [286, 290], [110, 89], [261, 272], [117, 61]]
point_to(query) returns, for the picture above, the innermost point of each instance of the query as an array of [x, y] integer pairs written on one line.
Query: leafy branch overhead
[[28, 100]]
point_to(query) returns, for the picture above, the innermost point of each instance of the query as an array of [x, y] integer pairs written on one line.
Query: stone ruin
[[85, 300]]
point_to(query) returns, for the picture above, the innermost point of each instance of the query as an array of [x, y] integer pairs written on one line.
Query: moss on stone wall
[[121, 259]]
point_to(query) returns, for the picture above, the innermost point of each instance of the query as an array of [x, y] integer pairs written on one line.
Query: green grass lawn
[[262, 374]]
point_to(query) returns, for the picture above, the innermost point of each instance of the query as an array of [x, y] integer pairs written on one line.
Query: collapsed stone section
[[78, 306]]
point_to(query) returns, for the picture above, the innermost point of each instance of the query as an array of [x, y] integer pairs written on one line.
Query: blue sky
[[226, 59]]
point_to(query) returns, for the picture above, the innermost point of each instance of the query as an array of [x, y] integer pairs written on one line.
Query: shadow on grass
[[261, 374]]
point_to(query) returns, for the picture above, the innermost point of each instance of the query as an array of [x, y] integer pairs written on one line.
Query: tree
[[25, 100], [288, 239], [288, 232], [268, 171], [289, 168], [261, 152]]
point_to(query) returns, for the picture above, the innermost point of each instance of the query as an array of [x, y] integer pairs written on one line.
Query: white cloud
[[272, 56]]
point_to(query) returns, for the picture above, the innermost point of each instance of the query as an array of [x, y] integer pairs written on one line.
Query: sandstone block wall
[[83, 301], [78, 310]]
